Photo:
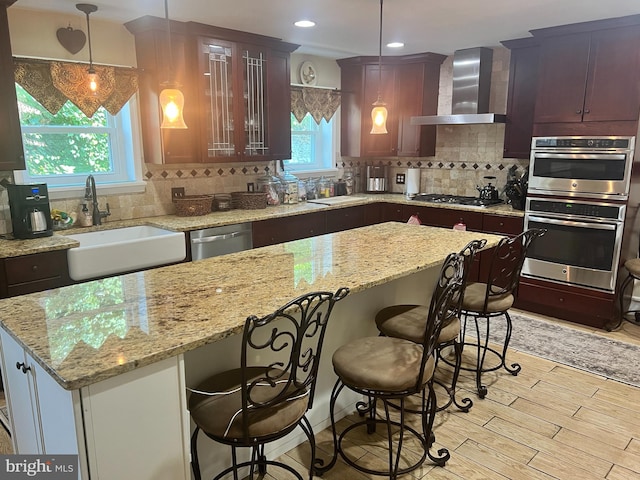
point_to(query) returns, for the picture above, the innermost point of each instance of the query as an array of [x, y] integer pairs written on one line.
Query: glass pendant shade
[[93, 80], [172, 103], [379, 118]]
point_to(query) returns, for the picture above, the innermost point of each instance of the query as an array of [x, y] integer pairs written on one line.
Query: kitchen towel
[[413, 181]]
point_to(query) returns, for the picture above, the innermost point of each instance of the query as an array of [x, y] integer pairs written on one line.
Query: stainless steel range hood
[[471, 89]]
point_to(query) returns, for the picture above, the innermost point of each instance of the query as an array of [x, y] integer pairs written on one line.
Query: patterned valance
[[319, 102], [53, 83]]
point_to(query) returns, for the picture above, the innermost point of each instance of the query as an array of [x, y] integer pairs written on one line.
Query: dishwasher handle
[[218, 238]]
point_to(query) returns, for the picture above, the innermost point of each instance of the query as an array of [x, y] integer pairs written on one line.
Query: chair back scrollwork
[[506, 264], [281, 351]]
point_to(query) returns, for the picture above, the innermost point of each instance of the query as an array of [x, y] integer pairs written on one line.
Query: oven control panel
[[583, 142], [593, 210]]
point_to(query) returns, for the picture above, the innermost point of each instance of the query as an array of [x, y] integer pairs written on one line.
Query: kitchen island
[[104, 365]]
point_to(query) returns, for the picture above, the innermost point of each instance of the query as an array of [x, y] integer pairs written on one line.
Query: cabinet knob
[[34, 268], [23, 367], [586, 110], [578, 111]]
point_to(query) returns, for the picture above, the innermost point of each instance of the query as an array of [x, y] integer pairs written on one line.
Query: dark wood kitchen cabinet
[[33, 273], [408, 85], [236, 88], [345, 218], [12, 157], [286, 229], [521, 96], [445, 217], [575, 304], [589, 72]]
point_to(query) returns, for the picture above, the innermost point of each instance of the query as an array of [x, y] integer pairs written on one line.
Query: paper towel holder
[[413, 182]]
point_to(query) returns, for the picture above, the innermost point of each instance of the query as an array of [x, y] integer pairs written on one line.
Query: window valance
[[52, 83], [319, 102]]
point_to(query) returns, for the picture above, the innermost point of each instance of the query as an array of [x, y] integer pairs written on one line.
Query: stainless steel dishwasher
[[212, 242]]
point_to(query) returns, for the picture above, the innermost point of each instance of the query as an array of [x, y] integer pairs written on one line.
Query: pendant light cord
[[380, 54], [166, 16], [89, 37]]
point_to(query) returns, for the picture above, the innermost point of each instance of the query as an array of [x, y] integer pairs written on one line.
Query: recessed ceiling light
[[305, 23], [395, 45]]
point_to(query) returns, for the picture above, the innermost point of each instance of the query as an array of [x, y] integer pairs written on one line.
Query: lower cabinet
[[575, 304], [445, 217], [95, 422], [286, 229], [41, 412], [345, 219], [33, 273]]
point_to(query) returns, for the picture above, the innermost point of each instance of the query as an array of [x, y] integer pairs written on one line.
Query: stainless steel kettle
[[37, 221], [488, 192]]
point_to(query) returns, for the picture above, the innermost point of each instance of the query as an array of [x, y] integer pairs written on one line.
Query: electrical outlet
[[177, 192], [400, 178]]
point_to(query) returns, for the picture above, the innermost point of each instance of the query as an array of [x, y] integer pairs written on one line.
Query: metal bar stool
[[410, 321], [387, 369], [493, 299], [268, 396], [633, 268]]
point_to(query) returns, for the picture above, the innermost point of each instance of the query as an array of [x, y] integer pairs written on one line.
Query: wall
[[464, 154]]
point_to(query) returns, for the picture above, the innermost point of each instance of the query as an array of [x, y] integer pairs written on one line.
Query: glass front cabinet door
[[236, 119]]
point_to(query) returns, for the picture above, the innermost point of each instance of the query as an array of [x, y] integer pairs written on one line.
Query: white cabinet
[[41, 412], [134, 425]]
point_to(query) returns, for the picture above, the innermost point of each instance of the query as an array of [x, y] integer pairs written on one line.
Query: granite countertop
[[82, 334], [15, 248]]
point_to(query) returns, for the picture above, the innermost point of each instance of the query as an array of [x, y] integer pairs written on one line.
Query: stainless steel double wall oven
[[578, 191]]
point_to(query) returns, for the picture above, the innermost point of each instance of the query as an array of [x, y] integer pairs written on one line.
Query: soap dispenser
[[84, 216]]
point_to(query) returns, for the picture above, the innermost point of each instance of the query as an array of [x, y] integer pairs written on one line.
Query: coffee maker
[[30, 210]]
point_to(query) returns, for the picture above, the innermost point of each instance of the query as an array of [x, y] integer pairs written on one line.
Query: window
[[312, 145], [63, 149]]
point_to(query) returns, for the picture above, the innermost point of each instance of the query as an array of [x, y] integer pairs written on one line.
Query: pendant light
[[171, 98], [92, 76], [379, 111]]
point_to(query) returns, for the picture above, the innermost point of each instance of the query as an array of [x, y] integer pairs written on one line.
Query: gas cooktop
[[456, 199]]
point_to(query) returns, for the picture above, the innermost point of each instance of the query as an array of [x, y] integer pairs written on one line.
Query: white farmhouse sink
[[121, 250]]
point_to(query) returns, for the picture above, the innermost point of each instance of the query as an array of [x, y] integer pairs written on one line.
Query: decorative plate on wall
[[308, 74]]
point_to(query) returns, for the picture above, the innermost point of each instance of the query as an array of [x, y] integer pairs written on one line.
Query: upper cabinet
[[589, 72], [246, 101], [12, 157], [408, 85], [521, 97], [236, 88]]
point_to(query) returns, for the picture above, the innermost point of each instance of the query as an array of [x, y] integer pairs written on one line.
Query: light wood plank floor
[[549, 422]]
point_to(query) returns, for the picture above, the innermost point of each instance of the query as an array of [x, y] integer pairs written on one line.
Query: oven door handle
[[581, 156], [571, 223]]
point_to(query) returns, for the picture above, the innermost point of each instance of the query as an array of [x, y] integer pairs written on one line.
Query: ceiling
[[347, 28]]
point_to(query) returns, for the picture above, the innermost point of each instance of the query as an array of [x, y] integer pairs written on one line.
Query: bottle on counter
[[324, 188], [289, 188], [349, 182], [84, 216], [302, 190], [272, 187]]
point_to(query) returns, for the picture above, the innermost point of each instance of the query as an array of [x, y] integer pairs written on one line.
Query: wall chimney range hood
[[471, 89]]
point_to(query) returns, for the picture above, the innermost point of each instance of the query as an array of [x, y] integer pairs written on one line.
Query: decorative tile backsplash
[[465, 154]]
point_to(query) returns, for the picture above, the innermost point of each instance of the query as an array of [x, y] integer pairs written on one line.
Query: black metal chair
[[410, 321], [387, 369], [493, 299], [268, 395]]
